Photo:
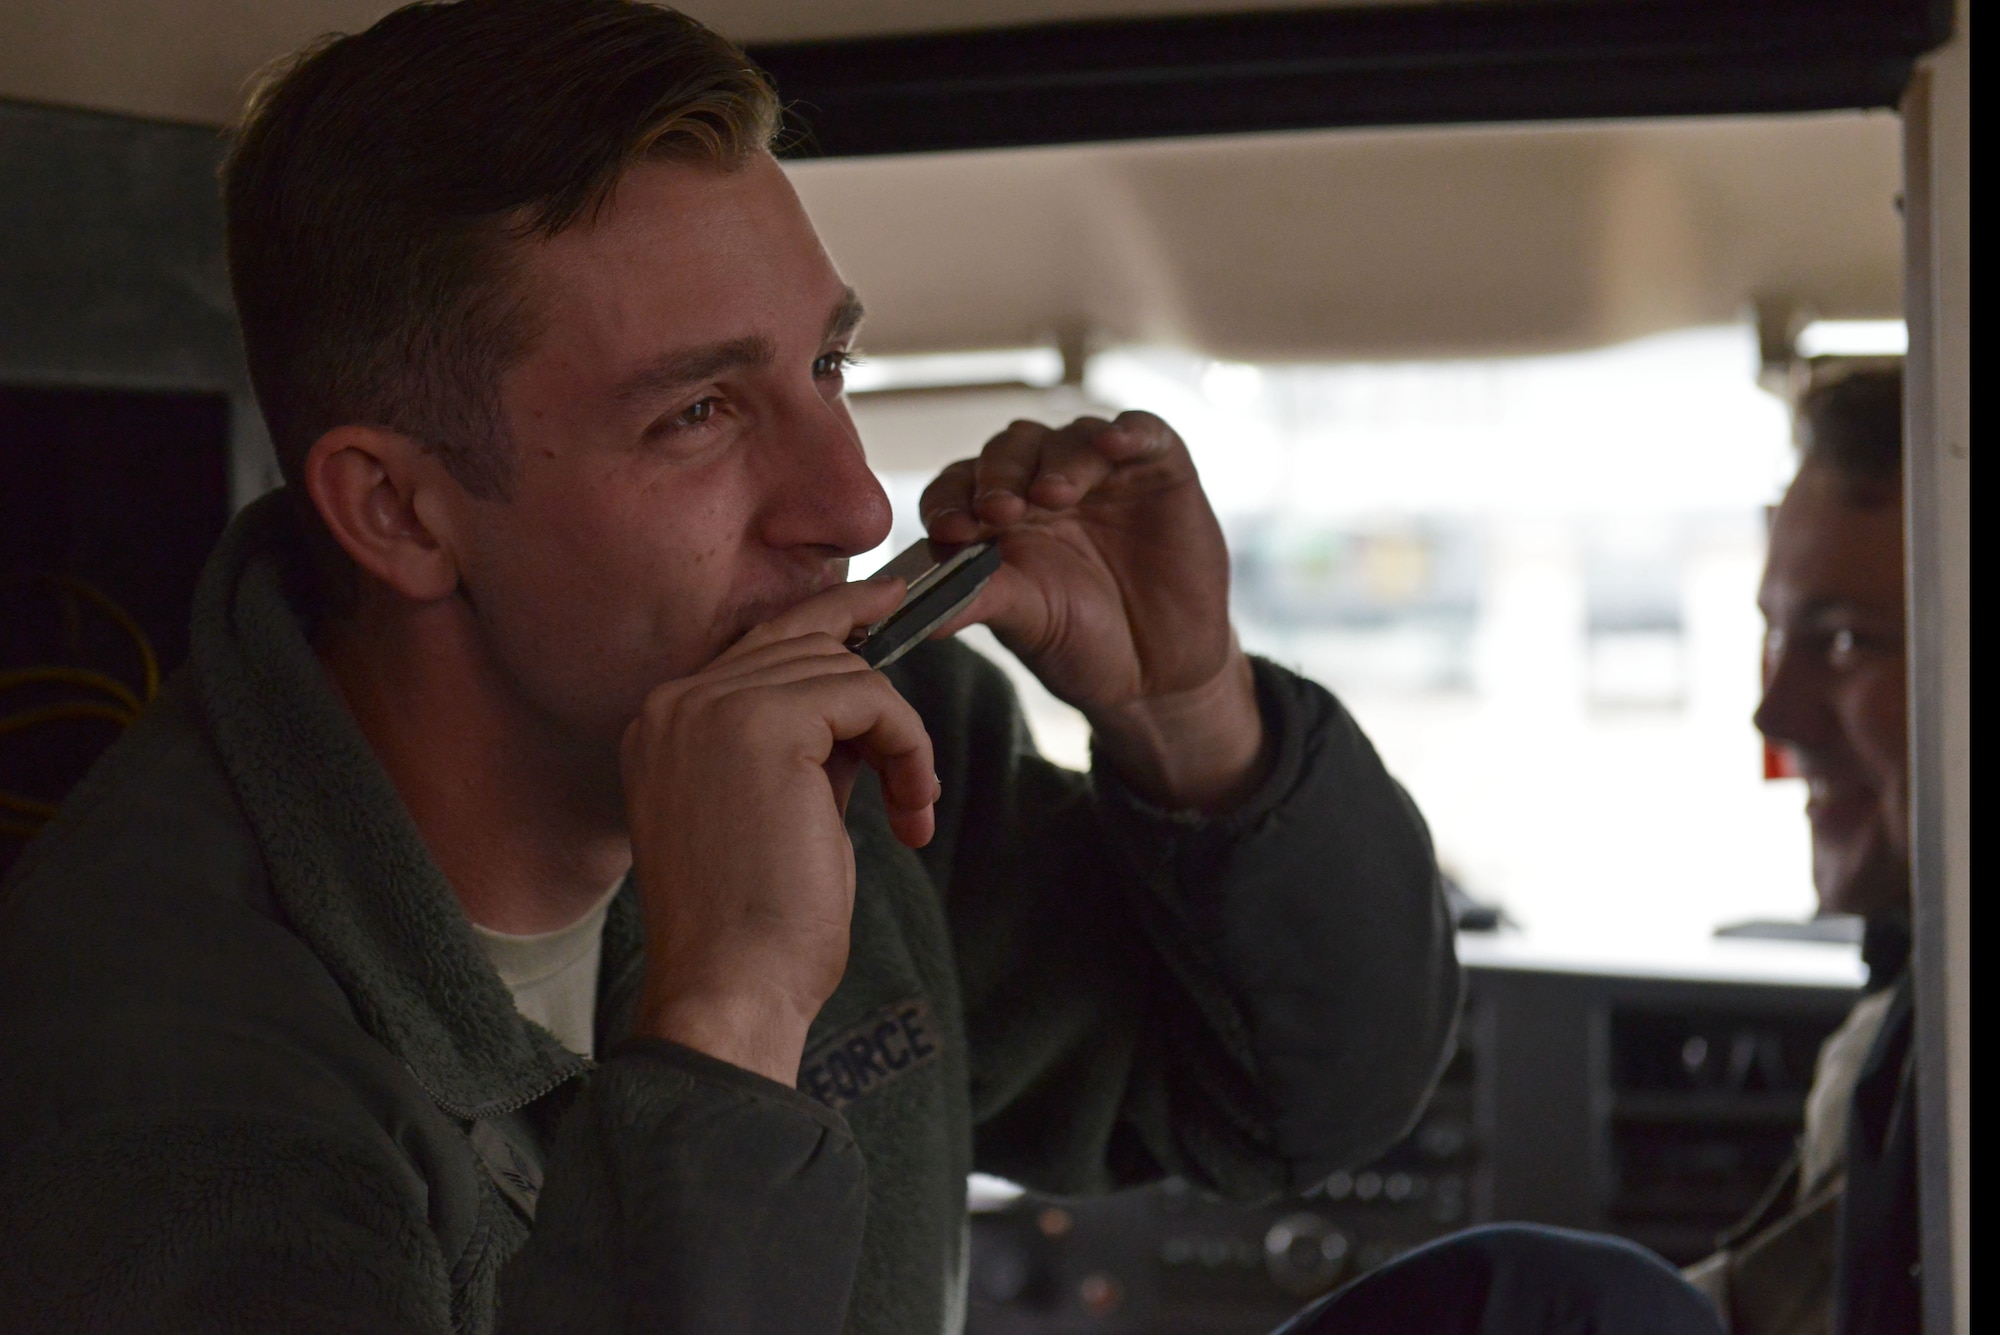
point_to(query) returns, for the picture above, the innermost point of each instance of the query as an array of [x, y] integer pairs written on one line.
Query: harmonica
[[941, 580]]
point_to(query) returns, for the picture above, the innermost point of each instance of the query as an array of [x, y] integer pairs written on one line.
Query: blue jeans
[[1515, 1279]]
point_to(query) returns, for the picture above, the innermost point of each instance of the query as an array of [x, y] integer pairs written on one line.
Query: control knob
[[1305, 1254]]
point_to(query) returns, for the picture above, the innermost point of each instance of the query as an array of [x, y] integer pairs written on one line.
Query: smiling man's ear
[[380, 494]]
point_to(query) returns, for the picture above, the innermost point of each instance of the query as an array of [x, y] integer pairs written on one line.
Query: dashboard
[[1657, 1108]]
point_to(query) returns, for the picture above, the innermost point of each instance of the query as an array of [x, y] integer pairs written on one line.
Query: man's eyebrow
[[676, 370], [846, 318], [1828, 605], [1835, 609]]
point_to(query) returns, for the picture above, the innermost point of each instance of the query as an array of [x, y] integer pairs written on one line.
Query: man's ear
[[374, 489]]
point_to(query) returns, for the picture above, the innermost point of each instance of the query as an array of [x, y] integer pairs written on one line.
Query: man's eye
[[832, 365], [1847, 648], [695, 414]]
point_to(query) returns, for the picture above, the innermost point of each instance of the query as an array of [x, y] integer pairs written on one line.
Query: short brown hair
[[1850, 421], [379, 184]]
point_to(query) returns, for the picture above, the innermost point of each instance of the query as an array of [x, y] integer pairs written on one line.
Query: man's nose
[[1791, 711], [826, 495]]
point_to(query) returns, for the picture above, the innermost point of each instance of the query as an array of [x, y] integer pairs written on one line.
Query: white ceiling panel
[[1327, 244], [1344, 244]]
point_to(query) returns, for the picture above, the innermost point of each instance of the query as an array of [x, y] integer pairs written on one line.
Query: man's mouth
[[755, 611], [1836, 805]]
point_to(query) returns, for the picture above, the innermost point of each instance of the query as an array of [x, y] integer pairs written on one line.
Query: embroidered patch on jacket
[[852, 1065]]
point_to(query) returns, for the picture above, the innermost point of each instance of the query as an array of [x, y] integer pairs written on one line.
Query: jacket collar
[[344, 858]]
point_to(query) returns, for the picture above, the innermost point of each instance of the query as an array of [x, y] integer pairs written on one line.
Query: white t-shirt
[[553, 975]]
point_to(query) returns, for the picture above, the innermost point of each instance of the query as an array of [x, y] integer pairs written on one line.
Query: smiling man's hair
[[381, 186], [1850, 422]]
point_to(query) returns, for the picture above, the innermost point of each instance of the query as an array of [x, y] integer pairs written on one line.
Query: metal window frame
[[1373, 65]]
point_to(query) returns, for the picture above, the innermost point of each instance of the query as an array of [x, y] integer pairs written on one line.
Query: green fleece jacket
[[256, 1074]]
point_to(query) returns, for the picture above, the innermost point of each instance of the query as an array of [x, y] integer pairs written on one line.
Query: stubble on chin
[[1861, 872]]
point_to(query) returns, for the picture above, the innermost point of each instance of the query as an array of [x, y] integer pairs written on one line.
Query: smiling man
[[1834, 1247], [524, 913]]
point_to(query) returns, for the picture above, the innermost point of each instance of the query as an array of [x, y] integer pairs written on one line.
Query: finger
[[1137, 436], [771, 666], [868, 714], [810, 706], [776, 664], [843, 767], [838, 611], [1072, 464], [1005, 468], [991, 603], [914, 829], [946, 505]]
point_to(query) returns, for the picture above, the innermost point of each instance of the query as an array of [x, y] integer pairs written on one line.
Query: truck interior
[[1482, 320]]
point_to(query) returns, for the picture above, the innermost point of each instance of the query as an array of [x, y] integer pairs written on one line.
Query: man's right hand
[[736, 786]]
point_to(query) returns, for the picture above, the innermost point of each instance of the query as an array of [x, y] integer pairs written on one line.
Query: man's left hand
[[1115, 593]]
